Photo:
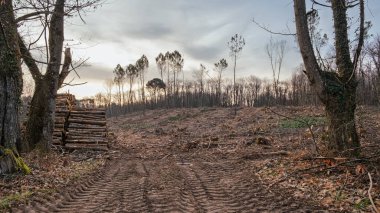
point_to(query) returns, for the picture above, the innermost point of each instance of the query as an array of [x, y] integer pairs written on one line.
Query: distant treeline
[[172, 90], [251, 92]]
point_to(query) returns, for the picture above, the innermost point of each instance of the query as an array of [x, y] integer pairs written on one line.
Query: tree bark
[[336, 90], [10, 78]]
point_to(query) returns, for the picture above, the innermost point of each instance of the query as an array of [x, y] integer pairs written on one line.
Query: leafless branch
[[32, 15], [71, 84], [360, 39], [270, 31], [320, 4]]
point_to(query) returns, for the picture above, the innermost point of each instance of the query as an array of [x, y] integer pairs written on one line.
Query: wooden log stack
[[79, 128], [87, 129]]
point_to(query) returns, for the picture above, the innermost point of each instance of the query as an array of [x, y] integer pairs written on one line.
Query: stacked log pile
[[79, 128], [87, 129]]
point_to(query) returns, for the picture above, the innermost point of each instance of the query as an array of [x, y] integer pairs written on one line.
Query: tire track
[[122, 188], [204, 193], [167, 186]]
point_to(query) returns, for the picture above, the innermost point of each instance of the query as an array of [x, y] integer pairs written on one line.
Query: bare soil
[[209, 160]]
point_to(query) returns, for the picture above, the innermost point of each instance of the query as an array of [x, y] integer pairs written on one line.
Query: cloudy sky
[[121, 31]]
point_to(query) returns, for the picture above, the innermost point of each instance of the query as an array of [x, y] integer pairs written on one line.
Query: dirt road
[[169, 185], [153, 170]]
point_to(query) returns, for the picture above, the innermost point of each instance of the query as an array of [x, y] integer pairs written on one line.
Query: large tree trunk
[[337, 90], [10, 77], [39, 129], [340, 110], [10, 87]]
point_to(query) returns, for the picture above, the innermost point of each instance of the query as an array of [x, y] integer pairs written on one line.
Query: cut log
[[76, 126], [90, 109], [59, 120], [87, 133], [89, 137], [86, 141], [59, 126], [88, 116], [62, 111], [79, 121], [87, 112], [57, 142], [57, 134], [87, 146]]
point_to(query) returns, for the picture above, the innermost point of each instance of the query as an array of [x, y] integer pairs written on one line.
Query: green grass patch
[[6, 202], [362, 204], [302, 122]]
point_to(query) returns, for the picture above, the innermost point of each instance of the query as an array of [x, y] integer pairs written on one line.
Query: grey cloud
[[91, 73]]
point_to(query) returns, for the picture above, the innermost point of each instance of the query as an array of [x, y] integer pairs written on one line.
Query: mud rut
[[169, 185]]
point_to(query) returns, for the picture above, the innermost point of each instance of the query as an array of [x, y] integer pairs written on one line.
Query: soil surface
[[209, 160]]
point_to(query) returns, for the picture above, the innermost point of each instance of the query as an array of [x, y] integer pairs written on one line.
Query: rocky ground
[[209, 160]]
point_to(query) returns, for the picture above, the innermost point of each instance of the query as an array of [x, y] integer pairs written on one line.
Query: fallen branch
[[369, 193], [305, 170]]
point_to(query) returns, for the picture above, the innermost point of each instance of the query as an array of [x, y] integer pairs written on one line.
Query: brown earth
[[208, 160]]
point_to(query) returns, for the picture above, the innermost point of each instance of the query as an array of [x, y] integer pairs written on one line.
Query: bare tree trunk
[[10, 78]]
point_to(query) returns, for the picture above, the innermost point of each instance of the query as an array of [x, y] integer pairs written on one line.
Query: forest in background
[[128, 91]]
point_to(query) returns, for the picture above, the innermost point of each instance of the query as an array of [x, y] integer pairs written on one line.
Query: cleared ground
[[206, 160]]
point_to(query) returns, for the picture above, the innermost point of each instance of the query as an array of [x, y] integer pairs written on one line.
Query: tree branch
[[56, 38], [30, 15], [320, 4], [29, 61], [361, 39], [307, 51], [270, 31], [65, 68]]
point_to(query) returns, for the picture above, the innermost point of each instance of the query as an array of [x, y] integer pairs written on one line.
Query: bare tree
[[236, 45], [131, 75], [276, 51], [119, 80], [160, 61], [142, 65], [108, 85], [336, 90], [374, 53], [220, 66], [177, 64], [40, 124]]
